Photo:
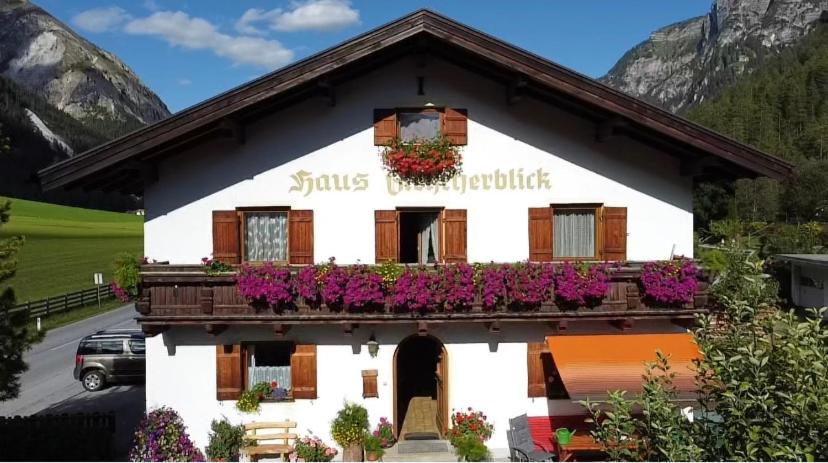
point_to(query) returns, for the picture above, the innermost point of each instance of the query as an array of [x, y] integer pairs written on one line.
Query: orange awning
[[592, 365]]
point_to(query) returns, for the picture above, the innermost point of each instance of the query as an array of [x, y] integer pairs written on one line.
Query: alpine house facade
[[287, 169]]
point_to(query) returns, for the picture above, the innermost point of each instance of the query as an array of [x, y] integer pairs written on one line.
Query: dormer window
[[409, 124], [419, 125]]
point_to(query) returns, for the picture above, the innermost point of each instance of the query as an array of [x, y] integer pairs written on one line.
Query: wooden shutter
[[455, 126], [303, 371], [454, 236], [536, 376], [229, 371], [226, 247], [540, 234], [386, 236], [615, 233], [369, 383], [300, 237], [385, 126]]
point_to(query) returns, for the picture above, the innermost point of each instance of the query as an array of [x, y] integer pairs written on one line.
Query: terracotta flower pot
[[371, 456], [352, 453]]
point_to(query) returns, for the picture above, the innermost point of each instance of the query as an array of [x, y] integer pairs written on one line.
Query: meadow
[[66, 245]]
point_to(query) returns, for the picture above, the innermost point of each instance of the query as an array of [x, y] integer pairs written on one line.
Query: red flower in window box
[[422, 162]]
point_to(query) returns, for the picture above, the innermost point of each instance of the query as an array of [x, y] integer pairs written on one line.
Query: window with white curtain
[[573, 233], [419, 125], [265, 237], [268, 362]]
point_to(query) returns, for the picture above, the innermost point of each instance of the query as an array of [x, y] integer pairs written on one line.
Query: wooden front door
[[441, 374]]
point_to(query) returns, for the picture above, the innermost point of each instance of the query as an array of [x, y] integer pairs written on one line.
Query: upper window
[[137, 346], [265, 236], [574, 231], [419, 237], [419, 125]]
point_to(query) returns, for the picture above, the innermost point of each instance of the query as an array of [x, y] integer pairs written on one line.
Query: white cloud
[[184, 82], [179, 29], [151, 5], [317, 15], [100, 19]]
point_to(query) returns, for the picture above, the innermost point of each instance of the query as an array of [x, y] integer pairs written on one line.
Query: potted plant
[[422, 162], [162, 436], [250, 399], [470, 448], [385, 433], [349, 429], [225, 440], [311, 448], [373, 448]]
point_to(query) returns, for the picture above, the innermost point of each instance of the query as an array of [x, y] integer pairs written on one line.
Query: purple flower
[[670, 283], [363, 289], [162, 436], [585, 285], [266, 284], [306, 285]]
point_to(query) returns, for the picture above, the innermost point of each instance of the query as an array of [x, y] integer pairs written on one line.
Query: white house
[[287, 168]]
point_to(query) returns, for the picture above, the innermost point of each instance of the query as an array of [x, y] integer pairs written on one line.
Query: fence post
[[66, 301], [47, 306], [82, 293]]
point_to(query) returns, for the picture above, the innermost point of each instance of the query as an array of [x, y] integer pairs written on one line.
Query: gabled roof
[[127, 162]]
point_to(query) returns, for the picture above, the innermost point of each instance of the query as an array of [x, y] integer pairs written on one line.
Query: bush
[[350, 425], [225, 440], [127, 273], [373, 444], [470, 448], [742, 278], [249, 400], [162, 436]]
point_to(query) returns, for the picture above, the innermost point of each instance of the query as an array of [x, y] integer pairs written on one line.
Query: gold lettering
[[394, 186], [543, 180], [302, 179], [473, 180], [487, 179], [529, 181], [361, 182], [500, 180]]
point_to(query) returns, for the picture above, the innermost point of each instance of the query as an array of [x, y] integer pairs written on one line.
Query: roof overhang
[[126, 164]]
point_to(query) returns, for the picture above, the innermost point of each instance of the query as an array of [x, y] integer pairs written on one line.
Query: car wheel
[[93, 380]]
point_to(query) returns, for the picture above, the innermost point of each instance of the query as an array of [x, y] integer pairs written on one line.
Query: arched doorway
[[420, 381]]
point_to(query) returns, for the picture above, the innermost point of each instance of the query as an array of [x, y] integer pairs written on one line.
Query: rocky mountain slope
[[92, 85], [690, 61]]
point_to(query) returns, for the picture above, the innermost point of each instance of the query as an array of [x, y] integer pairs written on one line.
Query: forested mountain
[[691, 61], [782, 108], [61, 95]]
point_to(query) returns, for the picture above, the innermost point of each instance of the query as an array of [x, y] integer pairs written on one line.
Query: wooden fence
[[75, 437], [64, 302]]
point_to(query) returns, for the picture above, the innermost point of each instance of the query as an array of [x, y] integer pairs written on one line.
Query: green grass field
[[66, 245]]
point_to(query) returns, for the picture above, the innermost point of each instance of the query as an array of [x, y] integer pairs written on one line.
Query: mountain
[[688, 62], [92, 85], [60, 95]]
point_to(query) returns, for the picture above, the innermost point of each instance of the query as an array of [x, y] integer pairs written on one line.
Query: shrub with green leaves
[[469, 447], [127, 272], [225, 440], [350, 425]]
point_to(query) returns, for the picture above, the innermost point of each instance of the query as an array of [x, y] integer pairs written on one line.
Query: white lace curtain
[[574, 233], [266, 236], [428, 238]]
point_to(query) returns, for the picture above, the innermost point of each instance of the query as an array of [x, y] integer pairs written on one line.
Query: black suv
[[110, 356]]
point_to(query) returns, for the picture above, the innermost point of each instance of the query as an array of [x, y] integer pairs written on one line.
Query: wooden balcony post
[[205, 299]]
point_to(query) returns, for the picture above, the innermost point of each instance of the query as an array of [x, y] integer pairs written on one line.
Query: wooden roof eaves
[[536, 68]]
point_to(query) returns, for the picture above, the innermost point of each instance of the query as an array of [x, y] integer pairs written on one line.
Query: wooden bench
[[272, 438]]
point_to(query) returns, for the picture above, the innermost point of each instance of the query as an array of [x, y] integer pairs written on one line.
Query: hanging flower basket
[[422, 162]]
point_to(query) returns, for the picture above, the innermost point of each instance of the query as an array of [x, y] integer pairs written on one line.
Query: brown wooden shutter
[[540, 234], [226, 247], [303, 371], [615, 233], [536, 376], [454, 236], [369, 383], [455, 126], [229, 371], [386, 236], [385, 126], [300, 237]]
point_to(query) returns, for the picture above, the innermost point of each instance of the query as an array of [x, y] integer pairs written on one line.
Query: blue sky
[[189, 50]]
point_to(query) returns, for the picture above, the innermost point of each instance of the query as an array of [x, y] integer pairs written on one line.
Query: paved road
[[48, 386]]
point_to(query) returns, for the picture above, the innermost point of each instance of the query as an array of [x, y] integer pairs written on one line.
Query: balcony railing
[[186, 295]]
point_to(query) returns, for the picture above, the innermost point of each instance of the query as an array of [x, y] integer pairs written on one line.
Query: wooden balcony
[[185, 295]]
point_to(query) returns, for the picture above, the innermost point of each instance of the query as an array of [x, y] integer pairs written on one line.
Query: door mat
[[422, 446]]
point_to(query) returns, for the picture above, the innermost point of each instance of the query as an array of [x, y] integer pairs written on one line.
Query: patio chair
[[521, 445]]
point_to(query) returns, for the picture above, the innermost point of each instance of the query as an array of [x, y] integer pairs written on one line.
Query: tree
[[14, 335], [761, 386]]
